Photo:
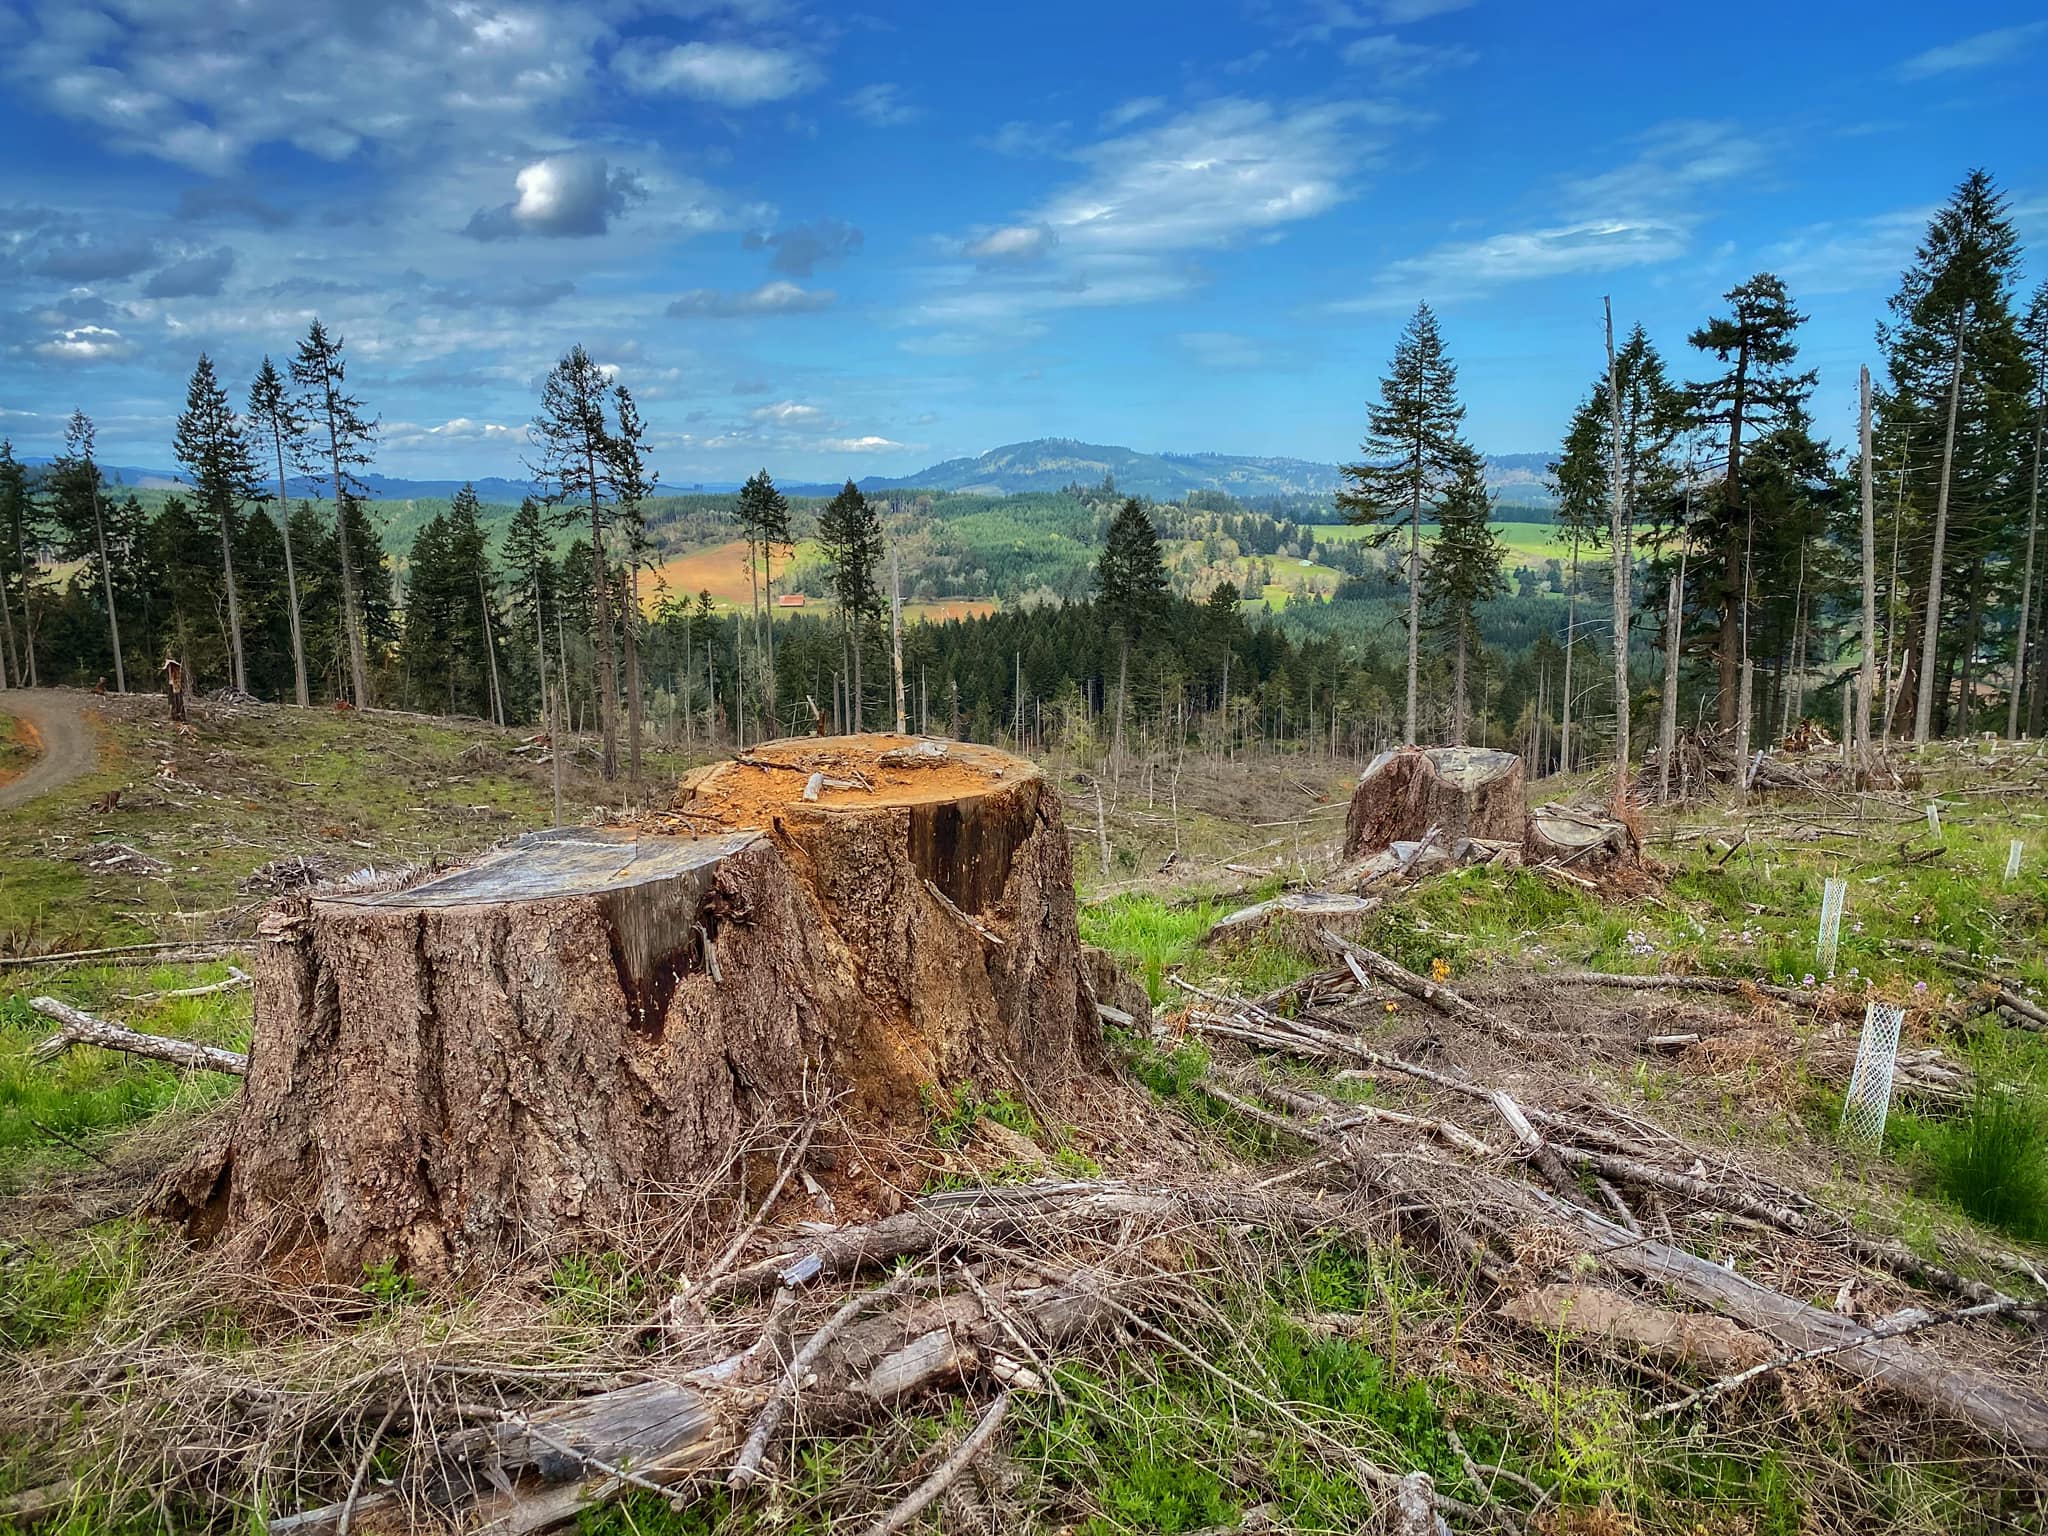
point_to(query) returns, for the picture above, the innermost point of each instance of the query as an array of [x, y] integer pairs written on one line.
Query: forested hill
[[1049, 463]]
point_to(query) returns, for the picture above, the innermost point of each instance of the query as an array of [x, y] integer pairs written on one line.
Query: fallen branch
[[1732, 986], [948, 1472], [81, 1028], [156, 953], [237, 977], [1824, 1351], [1366, 962]]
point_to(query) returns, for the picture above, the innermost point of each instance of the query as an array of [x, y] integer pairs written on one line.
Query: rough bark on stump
[[1462, 792], [1585, 840], [504, 1058]]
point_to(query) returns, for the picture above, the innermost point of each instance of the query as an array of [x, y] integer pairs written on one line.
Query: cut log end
[[1457, 792], [506, 1057]]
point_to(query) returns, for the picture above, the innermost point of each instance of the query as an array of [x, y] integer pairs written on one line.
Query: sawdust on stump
[[506, 1059]]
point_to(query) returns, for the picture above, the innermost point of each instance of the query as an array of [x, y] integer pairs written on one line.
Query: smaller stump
[[1463, 792]]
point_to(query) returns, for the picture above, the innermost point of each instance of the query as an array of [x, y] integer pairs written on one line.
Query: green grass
[[1148, 934]]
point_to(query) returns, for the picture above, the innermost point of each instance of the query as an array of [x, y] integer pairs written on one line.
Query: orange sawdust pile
[[860, 772]]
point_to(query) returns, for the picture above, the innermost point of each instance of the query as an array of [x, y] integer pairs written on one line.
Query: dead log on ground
[[82, 1028]]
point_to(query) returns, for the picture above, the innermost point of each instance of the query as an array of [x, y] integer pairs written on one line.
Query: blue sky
[[834, 241]]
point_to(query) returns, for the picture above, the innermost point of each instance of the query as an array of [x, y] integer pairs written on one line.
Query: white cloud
[[1211, 176], [1014, 245], [869, 444], [1396, 64], [195, 277], [180, 81], [562, 195], [1977, 51], [459, 429], [776, 298], [85, 344], [788, 413], [1222, 351], [1126, 113], [883, 105], [731, 74], [1639, 213], [1459, 270]]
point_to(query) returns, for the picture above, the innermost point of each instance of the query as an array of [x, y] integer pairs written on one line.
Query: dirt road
[[58, 717]]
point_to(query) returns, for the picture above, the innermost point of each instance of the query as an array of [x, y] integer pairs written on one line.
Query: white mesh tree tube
[[1870, 1085], [1834, 895], [2012, 859]]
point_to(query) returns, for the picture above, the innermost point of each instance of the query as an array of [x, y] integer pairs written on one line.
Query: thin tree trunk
[[1973, 628], [1123, 678], [635, 714], [240, 670], [1930, 635], [1867, 673], [1619, 515], [10, 654], [540, 645], [1667, 725], [558, 745], [607, 664], [483, 601], [351, 615], [896, 635], [1414, 603], [300, 690], [770, 692], [99, 528], [2019, 655], [1571, 628], [1458, 691], [1891, 596], [28, 615]]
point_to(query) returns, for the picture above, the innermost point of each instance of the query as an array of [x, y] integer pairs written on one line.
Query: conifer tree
[[529, 556], [76, 480], [851, 534], [762, 513], [277, 431], [338, 444], [1130, 580], [632, 483], [2034, 335], [1959, 379], [1757, 390], [1466, 567], [16, 650], [210, 444], [1408, 462], [575, 442]]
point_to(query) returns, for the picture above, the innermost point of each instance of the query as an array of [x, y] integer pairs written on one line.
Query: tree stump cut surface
[[515, 1056], [1463, 792]]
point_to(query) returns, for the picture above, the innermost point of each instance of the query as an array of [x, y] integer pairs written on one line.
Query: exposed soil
[[54, 722]]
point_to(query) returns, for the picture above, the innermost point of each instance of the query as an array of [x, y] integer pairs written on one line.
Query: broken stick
[[81, 1028]]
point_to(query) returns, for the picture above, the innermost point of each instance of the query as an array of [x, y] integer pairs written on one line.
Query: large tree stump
[[506, 1058], [1462, 792]]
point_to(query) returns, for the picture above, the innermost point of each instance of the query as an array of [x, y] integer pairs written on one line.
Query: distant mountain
[[1048, 463]]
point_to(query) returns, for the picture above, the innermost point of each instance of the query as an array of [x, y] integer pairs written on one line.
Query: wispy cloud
[[1126, 113], [883, 105], [1978, 51], [1638, 213], [801, 248], [729, 73], [1396, 64], [776, 298]]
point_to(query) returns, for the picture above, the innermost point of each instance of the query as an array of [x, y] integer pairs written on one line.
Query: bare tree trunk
[[2019, 655], [490, 650], [1414, 611], [300, 691], [1123, 681], [1458, 691], [635, 710], [99, 529], [1891, 597], [540, 645], [1571, 627], [10, 657], [1930, 635], [351, 610], [770, 694], [896, 635], [558, 744], [1867, 673], [239, 667], [1667, 725], [607, 665], [1619, 534]]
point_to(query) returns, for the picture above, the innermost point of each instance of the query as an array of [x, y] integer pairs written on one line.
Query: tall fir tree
[[81, 514], [1466, 567], [1757, 390], [850, 532], [762, 513], [2027, 665], [338, 445], [529, 556], [574, 437], [1130, 582], [1958, 375], [277, 431], [632, 483], [1408, 462], [210, 444], [17, 652]]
